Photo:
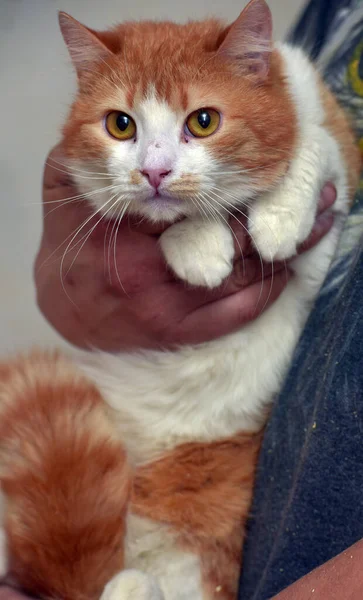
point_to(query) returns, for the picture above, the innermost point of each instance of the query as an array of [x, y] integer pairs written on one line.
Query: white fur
[[161, 399], [198, 254], [132, 585]]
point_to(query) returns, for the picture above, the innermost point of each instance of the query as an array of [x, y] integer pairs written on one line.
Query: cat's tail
[[64, 477]]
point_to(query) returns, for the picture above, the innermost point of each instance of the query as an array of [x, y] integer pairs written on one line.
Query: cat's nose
[[155, 176]]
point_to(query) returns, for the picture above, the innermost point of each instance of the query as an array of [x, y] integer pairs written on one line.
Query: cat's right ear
[[248, 42], [84, 47]]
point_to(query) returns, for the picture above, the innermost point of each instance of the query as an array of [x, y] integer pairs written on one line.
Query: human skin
[[341, 578], [119, 296], [338, 579]]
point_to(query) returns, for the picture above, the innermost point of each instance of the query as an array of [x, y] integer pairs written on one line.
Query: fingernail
[[328, 196]]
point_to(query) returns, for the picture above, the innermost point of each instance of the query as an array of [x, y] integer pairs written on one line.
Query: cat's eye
[[120, 125], [203, 122]]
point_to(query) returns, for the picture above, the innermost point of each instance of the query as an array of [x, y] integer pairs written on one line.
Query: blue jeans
[[308, 503]]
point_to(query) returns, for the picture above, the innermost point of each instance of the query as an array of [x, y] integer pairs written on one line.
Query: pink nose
[[155, 176]]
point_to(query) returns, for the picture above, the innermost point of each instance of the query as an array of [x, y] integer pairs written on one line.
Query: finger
[[322, 226], [327, 197], [225, 316], [241, 238], [8, 593], [246, 272]]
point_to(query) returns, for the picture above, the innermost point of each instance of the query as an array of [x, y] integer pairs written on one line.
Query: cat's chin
[[163, 209]]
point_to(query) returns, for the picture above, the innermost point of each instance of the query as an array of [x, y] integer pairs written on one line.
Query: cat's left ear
[[84, 47], [249, 41]]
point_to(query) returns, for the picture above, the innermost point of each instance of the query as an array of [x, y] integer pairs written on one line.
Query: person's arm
[[341, 578], [117, 294]]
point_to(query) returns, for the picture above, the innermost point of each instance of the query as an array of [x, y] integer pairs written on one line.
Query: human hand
[[8, 593], [117, 294]]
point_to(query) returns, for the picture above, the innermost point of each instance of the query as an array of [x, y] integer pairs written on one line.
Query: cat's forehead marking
[[157, 116]]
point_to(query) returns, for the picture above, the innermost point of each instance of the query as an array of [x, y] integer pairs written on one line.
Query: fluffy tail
[[65, 480]]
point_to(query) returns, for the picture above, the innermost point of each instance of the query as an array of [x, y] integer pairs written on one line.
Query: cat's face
[[178, 120]]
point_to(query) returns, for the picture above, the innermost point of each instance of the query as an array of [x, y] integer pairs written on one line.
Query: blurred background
[[36, 86]]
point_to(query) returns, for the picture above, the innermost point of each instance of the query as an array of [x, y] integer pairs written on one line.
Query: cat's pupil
[[122, 122], [204, 119]]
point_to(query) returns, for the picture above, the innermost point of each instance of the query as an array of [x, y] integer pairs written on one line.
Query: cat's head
[[176, 120]]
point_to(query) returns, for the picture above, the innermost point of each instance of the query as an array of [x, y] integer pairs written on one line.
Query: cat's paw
[[132, 585], [199, 252], [276, 232]]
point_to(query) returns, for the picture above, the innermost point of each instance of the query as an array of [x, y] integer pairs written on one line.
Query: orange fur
[[65, 478], [338, 124], [203, 492]]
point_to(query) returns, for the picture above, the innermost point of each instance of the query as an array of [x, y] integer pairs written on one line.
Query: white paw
[[132, 585], [276, 232], [199, 252]]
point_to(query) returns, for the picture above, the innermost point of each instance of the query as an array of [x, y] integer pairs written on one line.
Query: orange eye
[[203, 122], [120, 126]]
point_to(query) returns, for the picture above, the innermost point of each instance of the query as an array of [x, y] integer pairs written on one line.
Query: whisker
[[233, 233], [68, 248], [114, 246], [91, 177], [259, 255], [107, 253], [68, 165], [78, 229], [200, 207], [250, 209], [114, 226], [85, 237], [62, 201]]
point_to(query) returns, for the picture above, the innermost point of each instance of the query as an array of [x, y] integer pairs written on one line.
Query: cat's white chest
[[160, 400]]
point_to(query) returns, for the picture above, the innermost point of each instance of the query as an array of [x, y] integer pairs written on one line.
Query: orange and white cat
[[135, 471]]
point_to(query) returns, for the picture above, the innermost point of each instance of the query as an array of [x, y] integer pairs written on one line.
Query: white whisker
[[115, 245], [68, 248]]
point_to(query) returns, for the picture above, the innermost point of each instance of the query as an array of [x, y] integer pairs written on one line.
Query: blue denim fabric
[[308, 504], [309, 494]]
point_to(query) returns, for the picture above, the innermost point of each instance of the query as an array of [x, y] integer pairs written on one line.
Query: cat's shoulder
[[304, 84]]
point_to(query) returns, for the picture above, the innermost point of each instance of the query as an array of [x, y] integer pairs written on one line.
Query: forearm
[[341, 577]]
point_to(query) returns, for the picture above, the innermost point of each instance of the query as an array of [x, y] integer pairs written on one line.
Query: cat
[[130, 476]]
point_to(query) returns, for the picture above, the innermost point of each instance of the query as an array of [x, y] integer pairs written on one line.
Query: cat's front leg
[[132, 584], [280, 220], [199, 252]]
